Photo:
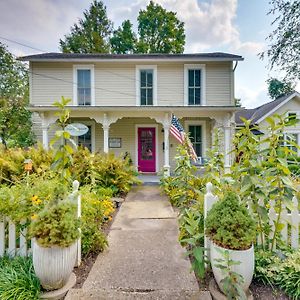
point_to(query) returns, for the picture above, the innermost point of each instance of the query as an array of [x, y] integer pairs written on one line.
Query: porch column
[[227, 142], [167, 152], [45, 137], [105, 137], [227, 149]]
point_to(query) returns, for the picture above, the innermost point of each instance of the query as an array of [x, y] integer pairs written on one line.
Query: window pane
[[197, 96], [84, 78], [197, 77], [87, 96], [143, 78], [143, 97], [292, 116], [149, 78], [149, 97], [191, 96], [191, 77]]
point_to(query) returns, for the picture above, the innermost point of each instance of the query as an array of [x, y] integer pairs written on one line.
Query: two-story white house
[[127, 101]]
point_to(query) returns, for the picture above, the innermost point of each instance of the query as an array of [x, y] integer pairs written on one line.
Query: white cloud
[[252, 97]]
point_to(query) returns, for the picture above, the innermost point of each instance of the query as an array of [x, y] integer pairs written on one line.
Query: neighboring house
[[127, 101], [288, 105]]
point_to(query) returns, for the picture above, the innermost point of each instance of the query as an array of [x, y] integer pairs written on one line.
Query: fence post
[[11, 238], [2, 236], [75, 196], [23, 241], [209, 200]]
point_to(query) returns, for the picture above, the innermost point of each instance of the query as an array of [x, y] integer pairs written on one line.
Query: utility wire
[[18, 43], [102, 69]]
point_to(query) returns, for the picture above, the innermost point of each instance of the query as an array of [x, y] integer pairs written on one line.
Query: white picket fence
[[13, 242], [290, 220]]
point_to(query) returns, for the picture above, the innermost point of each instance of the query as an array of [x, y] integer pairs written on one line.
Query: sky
[[234, 26]]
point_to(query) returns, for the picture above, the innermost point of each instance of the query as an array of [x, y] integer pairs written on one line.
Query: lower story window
[[294, 138], [86, 139], [195, 133]]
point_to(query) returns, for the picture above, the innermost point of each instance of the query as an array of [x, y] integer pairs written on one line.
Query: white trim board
[[83, 67], [138, 69], [156, 143], [271, 112]]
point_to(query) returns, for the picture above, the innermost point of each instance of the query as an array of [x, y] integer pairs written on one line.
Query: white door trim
[[137, 126]]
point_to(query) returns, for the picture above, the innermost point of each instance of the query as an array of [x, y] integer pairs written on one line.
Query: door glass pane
[[146, 145]]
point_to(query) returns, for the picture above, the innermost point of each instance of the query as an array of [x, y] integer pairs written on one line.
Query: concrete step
[[100, 294]]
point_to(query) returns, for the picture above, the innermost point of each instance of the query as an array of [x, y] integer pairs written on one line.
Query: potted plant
[[55, 232], [230, 227], [55, 229]]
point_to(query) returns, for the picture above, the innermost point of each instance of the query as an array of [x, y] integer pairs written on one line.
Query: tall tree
[[284, 50], [277, 88], [15, 119], [91, 34], [123, 39], [160, 31]]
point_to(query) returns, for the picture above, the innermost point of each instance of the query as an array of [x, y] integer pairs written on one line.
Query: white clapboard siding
[[289, 219]]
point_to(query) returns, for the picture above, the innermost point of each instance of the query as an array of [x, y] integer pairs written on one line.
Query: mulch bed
[[87, 262]]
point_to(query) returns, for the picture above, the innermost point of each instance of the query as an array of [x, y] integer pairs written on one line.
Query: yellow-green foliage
[[56, 225], [12, 162], [97, 209]]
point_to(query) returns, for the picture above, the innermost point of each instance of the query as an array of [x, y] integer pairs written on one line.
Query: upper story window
[[84, 87], [194, 85], [146, 85], [83, 90]]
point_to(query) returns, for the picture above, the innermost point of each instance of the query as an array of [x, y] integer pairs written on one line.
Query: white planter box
[[54, 265], [245, 268]]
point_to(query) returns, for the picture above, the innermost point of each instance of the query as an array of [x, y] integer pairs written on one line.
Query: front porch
[[135, 130]]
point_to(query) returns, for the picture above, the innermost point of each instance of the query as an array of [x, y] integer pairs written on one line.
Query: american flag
[[177, 131]]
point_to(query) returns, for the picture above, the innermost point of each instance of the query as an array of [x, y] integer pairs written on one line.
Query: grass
[[17, 279]]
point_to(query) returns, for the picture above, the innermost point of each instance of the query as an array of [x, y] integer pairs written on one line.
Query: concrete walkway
[[144, 259]]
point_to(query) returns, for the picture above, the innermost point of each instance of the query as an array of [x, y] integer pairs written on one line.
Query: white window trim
[[138, 69], [75, 81], [93, 133], [137, 126], [203, 132], [188, 67]]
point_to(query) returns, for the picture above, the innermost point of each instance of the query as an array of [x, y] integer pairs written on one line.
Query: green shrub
[[18, 280], [230, 225], [97, 209], [281, 269], [56, 225]]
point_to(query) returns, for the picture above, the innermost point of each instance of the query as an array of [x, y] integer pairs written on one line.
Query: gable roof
[[214, 56], [259, 113]]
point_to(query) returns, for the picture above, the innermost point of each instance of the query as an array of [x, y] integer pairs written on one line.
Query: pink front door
[[146, 149]]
